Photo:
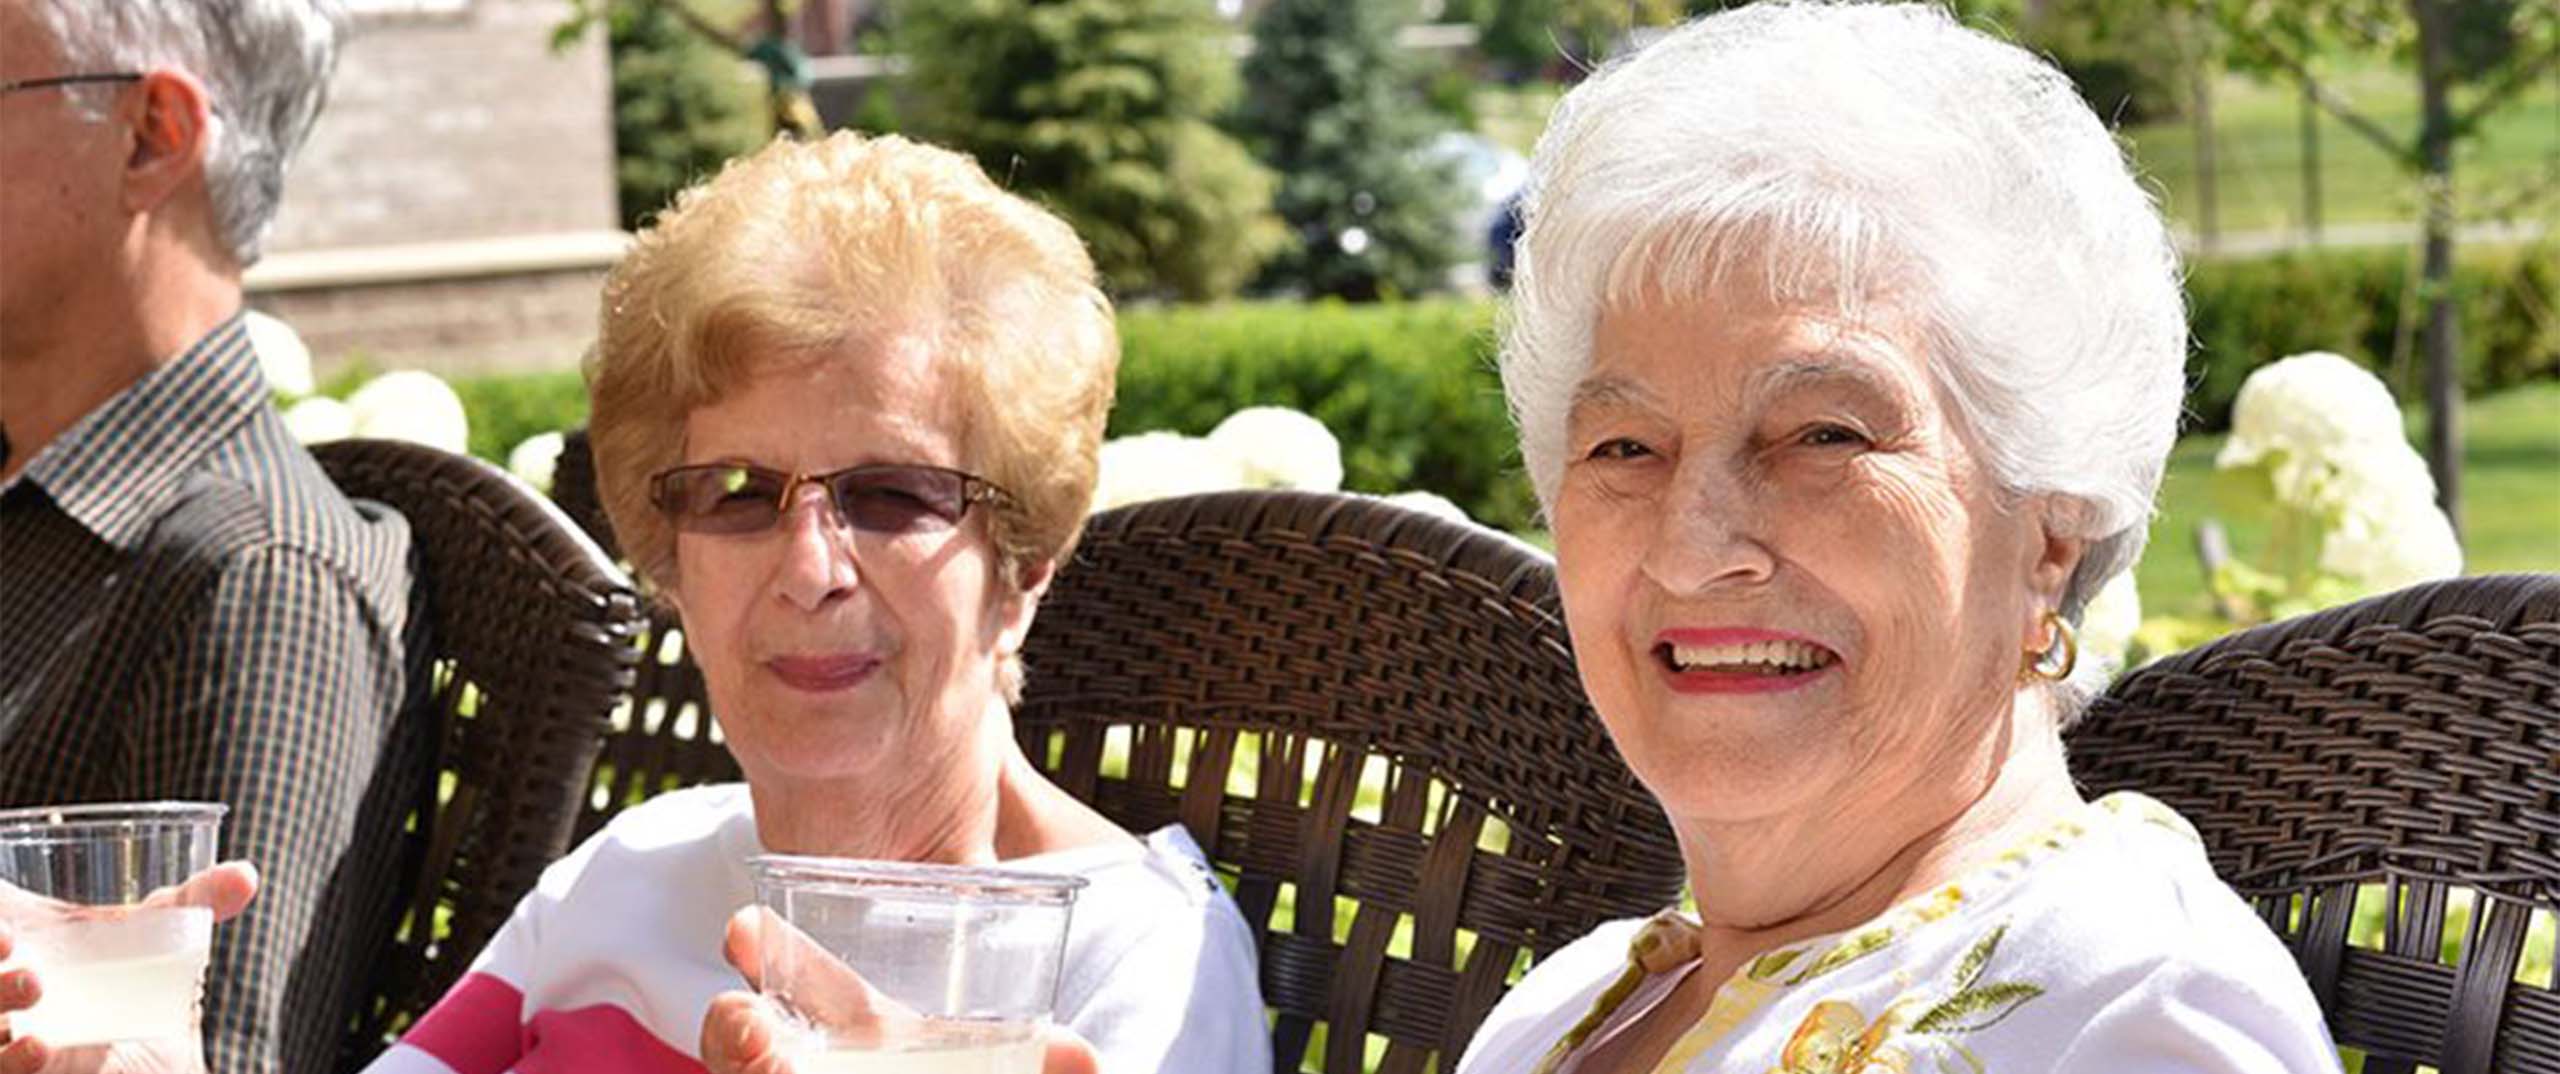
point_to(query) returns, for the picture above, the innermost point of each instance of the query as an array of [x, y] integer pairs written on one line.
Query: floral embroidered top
[[2105, 946]]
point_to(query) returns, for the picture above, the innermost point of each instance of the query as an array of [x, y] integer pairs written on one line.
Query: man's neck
[[84, 354]]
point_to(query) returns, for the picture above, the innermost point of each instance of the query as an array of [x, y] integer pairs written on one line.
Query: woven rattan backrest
[[667, 738], [1368, 717], [530, 631], [2401, 749]]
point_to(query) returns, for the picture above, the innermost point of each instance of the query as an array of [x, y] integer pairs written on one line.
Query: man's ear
[[168, 122]]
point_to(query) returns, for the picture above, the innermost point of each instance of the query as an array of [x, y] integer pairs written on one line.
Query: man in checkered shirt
[[188, 608]]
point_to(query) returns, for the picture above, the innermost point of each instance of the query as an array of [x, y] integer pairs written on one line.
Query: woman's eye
[[1620, 448], [1830, 435]]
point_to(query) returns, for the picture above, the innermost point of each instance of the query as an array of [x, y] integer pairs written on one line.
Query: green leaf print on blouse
[[1835, 1037]]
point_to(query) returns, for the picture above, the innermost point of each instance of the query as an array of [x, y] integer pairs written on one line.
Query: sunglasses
[[886, 498]]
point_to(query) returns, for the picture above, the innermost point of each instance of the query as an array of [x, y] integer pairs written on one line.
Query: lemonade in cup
[[113, 970], [906, 968]]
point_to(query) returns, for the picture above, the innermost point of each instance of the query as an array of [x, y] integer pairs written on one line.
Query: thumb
[[225, 889], [743, 944]]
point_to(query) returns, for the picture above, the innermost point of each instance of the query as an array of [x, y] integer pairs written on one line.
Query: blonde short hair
[[800, 247]]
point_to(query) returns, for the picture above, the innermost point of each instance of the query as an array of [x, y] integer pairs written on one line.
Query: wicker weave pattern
[[532, 631], [1246, 664], [2408, 740], [1273, 648]]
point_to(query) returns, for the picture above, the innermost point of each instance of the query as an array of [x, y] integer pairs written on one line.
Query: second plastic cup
[[903, 968], [113, 970]]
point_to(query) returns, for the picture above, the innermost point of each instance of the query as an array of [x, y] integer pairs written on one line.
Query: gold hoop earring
[[2046, 665]]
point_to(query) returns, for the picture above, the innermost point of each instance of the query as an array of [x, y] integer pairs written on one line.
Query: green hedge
[[2248, 312], [1410, 389]]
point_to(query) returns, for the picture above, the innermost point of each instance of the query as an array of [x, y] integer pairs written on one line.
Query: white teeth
[[1780, 655]]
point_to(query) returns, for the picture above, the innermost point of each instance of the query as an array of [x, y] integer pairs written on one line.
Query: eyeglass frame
[[69, 80], [974, 490]]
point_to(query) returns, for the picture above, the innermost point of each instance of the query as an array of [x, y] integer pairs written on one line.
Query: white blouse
[[2105, 946]]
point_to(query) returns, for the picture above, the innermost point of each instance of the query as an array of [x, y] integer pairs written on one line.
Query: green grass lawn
[[2259, 150], [2259, 153], [2511, 499]]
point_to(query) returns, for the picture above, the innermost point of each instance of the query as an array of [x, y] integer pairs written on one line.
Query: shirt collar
[[116, 470]]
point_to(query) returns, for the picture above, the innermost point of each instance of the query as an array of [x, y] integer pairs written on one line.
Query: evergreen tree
[[680, 110], [1101, 109], [1335, 108]]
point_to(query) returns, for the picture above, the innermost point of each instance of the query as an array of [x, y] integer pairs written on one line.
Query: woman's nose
[[818, 566], [1707, 537]]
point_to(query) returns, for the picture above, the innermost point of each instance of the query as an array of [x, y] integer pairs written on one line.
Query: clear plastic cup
[[112, 970], [904, 968]]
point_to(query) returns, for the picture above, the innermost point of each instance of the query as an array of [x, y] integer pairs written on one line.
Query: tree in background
[[1102, 110], [681, 107], [1527, 37], [1335, 110], [2486, 51]]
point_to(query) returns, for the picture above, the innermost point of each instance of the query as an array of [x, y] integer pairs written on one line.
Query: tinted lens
[[900, 499], [720, 499]]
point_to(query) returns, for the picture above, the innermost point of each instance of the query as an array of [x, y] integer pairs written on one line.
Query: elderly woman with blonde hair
[[848, 400]]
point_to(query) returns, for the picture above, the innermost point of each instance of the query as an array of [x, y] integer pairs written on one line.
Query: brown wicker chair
[[530, 632], [2403, 746], [1360, 712]]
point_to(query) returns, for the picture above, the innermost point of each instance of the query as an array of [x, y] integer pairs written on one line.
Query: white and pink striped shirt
[[612, 960]]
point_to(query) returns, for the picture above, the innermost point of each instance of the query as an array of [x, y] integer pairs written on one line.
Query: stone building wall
[[454, 207]]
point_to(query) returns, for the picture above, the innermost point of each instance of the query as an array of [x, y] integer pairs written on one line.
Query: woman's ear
[[1021, 602], [2053, 553], [2054, 567]]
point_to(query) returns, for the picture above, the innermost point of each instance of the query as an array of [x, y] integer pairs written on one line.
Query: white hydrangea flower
[[2108, 624], [2296, 410], [1153, 466], [281, 353], [411, 405], [537, 459], [1429, 503], [320, 419], [2381, 479], [1281, 448], [2385, 529], [2378, 555]]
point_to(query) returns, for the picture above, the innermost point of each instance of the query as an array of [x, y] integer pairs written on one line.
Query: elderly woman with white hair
[[1846, 355]]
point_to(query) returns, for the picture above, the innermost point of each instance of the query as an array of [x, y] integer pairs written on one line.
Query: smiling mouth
[[1766, 659]]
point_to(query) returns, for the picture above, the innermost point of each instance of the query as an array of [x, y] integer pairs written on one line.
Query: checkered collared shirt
[[190, 610]]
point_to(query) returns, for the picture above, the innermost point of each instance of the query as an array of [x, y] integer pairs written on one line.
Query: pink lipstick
[[823, 672]]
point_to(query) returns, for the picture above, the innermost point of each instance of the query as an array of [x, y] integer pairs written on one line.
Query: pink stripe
[[602, 1039], [473, 1028]]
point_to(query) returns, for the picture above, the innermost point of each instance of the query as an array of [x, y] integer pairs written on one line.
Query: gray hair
[[265, 62], [1846, 152]]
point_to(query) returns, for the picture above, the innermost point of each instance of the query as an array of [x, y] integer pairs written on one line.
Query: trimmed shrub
[[1409, 389], [2247, 312]]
